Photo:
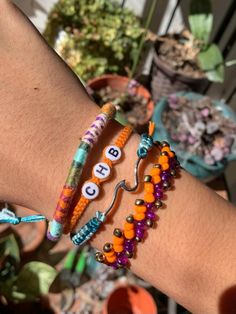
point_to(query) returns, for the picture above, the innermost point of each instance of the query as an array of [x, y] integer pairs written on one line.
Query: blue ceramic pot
[[192, 163]]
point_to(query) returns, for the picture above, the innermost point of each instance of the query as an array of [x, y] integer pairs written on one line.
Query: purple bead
[[123, 260], [158, 186], [140, 233], [114, 265], [129, 245], [158, 194], [149, 205], [141, 224], [165, 176], [151, 215]]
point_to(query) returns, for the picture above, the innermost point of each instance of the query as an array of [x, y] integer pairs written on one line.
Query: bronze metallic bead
[[165, 144], [157, 166], [166, 185], [157, 143], [107, 247], [100, 257], [147, 178], [164, 154], [129, 254], [158, 204], [138, 239], [117, 232], [173, 172], [149, 223], [138, 202], [130, 218]]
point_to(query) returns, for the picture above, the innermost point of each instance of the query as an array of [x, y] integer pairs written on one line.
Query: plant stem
[[149, 18]]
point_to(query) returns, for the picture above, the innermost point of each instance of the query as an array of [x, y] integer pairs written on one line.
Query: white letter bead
[[113, 152], [90, 190], [101, 170]]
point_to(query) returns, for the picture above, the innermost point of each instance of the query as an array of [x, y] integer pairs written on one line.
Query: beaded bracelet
[[101, 172], [86, 232], [117, 255], [56, 225]]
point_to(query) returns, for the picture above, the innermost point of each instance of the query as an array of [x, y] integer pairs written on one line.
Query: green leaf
[[211, 62], [33, 280], [201, 19], [9, 247], [120, 117]]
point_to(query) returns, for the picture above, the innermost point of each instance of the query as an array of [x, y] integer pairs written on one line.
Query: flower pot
[[192, 163], [119, 83], [165, 80], [130, 299]]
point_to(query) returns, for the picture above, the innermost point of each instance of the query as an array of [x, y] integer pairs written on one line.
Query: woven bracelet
[[101, 172], [89, 139]]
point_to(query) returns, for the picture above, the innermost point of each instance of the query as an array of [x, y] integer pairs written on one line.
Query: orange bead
[[109, 254], [140, 208], [149, 187], [165, 166], [111, 259], [139, 216], [166, 149], [128, 226], [171, 154], [149, 198], [118, 248], [155, 172], [163, 159], [118, 241], [129, 234], [156, 179]]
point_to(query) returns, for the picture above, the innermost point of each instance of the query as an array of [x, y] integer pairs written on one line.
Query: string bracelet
[[118, 252], [86, 232], [101, 173], [7, 216], [88, 140]]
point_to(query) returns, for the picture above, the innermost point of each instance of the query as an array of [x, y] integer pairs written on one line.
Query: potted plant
[[202, 132], [102, 41], [21, 284], [187, 60], [94, 37]]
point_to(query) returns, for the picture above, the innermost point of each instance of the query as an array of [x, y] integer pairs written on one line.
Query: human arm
[[190, 255]]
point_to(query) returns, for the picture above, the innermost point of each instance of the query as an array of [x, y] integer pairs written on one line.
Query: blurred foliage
[[94, 36], [22, 284], [210, 57]]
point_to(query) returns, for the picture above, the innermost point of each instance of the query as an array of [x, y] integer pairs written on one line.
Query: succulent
[[200, 128], [94, 36]]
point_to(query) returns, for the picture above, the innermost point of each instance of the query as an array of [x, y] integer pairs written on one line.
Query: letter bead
[[90, 190], [101, 171], [113, 153]]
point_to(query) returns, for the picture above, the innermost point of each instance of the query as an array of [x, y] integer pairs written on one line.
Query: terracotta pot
[[130, 300], [30, 235], [119, 83], [165, 81]]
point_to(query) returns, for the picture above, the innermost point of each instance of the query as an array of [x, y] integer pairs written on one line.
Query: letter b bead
[[113, 153]]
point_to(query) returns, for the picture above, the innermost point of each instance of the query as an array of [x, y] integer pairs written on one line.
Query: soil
[[133, 106], [179, 53]]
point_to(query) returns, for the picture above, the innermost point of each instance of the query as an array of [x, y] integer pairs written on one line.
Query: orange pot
[[119, 83], [130, 300]]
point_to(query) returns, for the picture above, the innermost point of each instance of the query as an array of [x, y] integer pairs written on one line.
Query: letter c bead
[[101, 170], [90, 190], [112, 152]]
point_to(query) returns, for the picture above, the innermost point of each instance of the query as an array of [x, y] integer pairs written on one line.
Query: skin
[[190, 255]]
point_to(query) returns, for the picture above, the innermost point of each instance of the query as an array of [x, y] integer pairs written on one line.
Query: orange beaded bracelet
[[101, 172], [123, 246]]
